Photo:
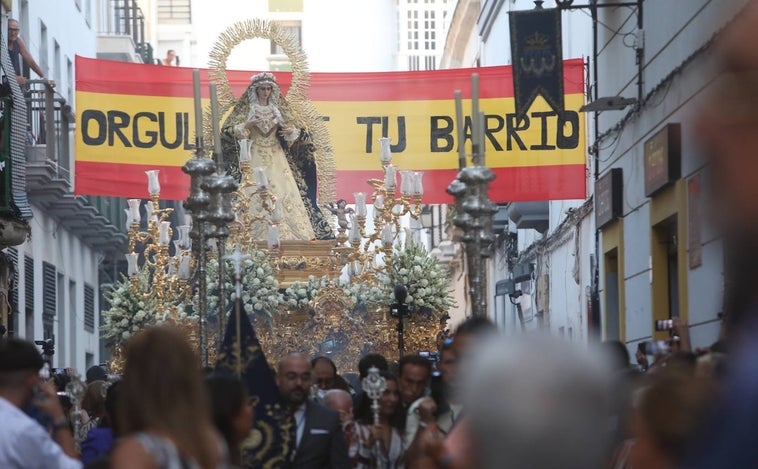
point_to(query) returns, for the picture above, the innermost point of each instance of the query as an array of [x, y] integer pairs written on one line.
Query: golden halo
[[302, 110]]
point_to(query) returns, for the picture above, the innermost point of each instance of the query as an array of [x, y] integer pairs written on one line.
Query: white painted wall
[[674, 30], [73, 30]]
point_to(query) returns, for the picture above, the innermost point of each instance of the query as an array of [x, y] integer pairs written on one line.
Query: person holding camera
[[24, 443]]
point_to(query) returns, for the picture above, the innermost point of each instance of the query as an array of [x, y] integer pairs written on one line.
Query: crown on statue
[[263, 78]]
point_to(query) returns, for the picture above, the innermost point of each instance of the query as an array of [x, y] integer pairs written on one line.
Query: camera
[[654, 347], [664, 324]]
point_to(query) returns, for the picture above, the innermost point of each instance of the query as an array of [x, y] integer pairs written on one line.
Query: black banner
[[272, 437], [537, 53]]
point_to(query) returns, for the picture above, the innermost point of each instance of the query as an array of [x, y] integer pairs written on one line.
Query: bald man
[[319, 440]]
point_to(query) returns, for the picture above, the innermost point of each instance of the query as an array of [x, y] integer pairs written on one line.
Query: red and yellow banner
[[136, 117]]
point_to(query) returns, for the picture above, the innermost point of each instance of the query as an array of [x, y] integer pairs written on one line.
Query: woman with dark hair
[[381, 445], [163, 411], [232, 412]]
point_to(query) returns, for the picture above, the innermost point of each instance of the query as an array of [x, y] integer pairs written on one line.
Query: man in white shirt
[[24, 443]]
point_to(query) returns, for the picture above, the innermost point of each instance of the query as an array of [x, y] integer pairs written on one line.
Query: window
[[294, 28], [43, 52], [89, 308], [49, 291], [285, 5], [174, 11], [29, 283]]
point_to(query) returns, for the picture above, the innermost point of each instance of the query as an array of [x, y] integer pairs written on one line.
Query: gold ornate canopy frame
[[297, 104]]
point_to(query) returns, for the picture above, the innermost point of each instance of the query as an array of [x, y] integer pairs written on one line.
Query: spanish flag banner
[[135, 117]]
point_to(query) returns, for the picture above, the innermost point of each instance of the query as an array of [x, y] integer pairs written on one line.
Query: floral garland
[[427, 282]]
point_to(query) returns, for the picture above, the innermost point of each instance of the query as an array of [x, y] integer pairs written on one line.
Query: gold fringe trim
[[296, 104]]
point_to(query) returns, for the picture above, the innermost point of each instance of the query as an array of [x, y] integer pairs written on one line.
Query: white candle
[[360, 204], [390, 177], [475, 108], [215, 123], [164, 233], [131, 261], [184, 241], [129, 220], [149, 209], [260, 177], [273, 237], [379, 202], [461, 131], [198, 105], [153, 185], [355, 233], [406, 182], [387, 235], [276, 215], [134, 209], [184, 266], [244, 150], [418, 183], [385, 154]]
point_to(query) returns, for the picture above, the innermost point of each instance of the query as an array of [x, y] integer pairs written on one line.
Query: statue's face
[[263, 92]]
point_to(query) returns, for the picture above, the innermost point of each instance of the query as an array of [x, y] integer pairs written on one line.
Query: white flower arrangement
[[129, 312], [427, 282], [260, 289], [301, 294]]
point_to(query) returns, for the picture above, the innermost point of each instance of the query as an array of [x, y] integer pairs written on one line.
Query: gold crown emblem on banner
[[536, 41]]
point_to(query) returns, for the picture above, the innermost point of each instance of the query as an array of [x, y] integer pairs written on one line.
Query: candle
[[418, 183], [260, 177], [390, 172], [385, 154], [387, 235], [461, 130], [164, 233], [482, 143], [184, 241], [379, 202], [131, 261], [198, 108], [355, 233], [475, 109], [406, 182], [184, 266], [134, 209], [149, 209], [244, 150], [360, 204], [273, 237], [153, 185], [128, 218], [276, 215], [214, 122]]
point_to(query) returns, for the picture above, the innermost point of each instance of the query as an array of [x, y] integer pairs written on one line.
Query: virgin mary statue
[[261, 117]]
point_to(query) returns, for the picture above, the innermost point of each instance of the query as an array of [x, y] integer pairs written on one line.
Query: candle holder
[[474, 210], [390, 206], [167, 287]]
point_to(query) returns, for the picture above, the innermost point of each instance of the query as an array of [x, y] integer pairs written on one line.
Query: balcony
[[48, 174], [121, 33]]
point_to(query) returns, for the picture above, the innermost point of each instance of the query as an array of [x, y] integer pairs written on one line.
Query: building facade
[[75, 245], [660, 257]]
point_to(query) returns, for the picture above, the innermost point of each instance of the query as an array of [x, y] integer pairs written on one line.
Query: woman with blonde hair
[[163, 410]]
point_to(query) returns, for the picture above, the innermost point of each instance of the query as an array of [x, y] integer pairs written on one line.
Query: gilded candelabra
[[361, 250], [168, 274]]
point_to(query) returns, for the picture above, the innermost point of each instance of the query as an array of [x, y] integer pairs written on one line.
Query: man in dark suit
[[319, 440]]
